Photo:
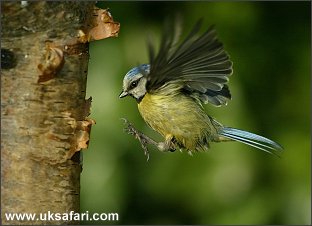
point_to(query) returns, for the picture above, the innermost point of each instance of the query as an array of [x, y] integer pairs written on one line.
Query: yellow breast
[[176, 115]]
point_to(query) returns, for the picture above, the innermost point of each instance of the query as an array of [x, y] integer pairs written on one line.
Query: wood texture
[[43, 107]]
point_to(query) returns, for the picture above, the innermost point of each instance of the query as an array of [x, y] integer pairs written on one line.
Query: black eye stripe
[[134, 84]]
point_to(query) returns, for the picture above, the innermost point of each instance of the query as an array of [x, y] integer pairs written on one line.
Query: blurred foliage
[[269, 43]]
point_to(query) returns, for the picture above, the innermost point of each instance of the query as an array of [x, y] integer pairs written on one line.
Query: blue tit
[[170, 92]]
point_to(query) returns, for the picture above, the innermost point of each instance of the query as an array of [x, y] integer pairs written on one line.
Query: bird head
[[134, 82]]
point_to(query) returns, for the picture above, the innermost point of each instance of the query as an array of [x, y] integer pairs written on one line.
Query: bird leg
[[167, 145]]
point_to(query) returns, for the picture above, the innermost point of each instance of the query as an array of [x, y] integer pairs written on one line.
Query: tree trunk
[[44, 59]]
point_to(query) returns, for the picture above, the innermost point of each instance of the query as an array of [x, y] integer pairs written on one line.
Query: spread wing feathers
[[216, 98], [200, 63]]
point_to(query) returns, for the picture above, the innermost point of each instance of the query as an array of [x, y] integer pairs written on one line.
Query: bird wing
[[199, 63]]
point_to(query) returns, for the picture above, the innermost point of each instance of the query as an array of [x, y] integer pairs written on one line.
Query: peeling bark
[[43, 107]]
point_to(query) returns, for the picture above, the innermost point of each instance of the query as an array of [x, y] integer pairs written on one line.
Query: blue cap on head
[[143, 69]]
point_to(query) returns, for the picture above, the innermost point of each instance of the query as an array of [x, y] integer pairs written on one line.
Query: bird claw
[[143, 139]]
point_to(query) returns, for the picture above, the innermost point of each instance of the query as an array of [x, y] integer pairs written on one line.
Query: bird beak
[[123, 94]]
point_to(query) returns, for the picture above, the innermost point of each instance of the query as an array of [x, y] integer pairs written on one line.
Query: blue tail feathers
[[251, 139]]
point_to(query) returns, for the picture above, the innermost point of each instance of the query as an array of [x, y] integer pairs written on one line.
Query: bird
[[172, 88]]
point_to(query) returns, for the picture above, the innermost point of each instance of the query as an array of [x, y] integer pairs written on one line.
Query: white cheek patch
[[139, 91]]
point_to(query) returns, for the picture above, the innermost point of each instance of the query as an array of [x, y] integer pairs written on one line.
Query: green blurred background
[[269, 43]]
